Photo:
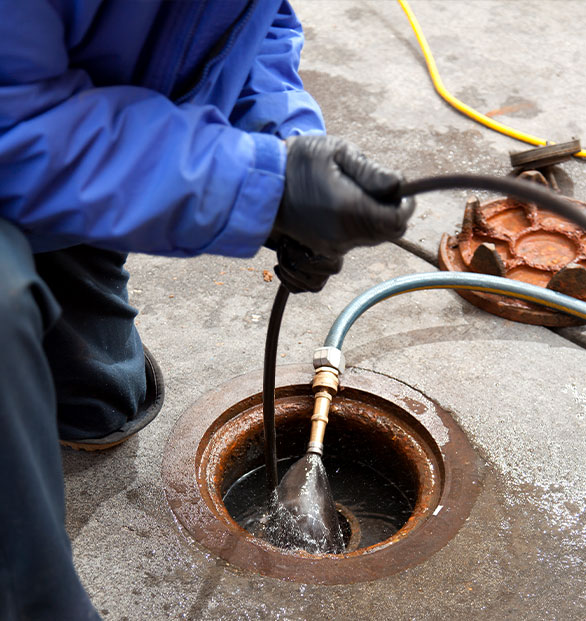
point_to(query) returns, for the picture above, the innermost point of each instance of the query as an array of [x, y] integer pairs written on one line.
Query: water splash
[[302, 513], [381, 505]]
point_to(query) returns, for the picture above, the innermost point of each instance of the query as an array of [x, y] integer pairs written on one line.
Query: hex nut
[[329, 357]]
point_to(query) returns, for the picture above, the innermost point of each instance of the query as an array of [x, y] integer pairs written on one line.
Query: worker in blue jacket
[[166, 127]]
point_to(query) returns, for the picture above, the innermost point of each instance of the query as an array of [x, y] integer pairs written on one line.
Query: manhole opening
[[421, 467], [380, 469]]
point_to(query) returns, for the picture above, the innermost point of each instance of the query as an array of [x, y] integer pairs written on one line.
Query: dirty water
[[380, 505]]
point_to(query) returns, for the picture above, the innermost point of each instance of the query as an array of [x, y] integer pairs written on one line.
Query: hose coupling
[[329, 357], [325, 386]]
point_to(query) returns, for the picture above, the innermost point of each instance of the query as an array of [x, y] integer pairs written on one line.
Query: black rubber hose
[[268, 387], [518, 188]]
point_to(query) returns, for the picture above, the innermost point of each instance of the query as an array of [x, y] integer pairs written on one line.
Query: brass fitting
[[325, 386]]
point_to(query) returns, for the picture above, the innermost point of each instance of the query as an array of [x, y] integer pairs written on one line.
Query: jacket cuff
[[252, 217], [270, 154]]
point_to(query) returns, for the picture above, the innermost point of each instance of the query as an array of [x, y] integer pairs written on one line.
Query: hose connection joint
[[329, 357]]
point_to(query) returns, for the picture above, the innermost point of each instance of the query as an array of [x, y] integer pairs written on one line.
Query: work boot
[[148, 410]]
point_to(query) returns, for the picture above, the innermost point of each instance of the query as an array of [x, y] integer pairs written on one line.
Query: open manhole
[[403, 474]]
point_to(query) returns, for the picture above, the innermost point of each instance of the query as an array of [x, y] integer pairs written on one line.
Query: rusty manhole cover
[[377, 421], [514, 239]]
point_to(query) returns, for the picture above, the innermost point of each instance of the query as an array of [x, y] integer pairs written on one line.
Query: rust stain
[[511, 109], [416, 406]]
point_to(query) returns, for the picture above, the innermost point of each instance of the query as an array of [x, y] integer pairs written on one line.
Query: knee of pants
[[24, 297]]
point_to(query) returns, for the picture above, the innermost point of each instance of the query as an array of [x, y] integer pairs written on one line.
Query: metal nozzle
[[325, 386]]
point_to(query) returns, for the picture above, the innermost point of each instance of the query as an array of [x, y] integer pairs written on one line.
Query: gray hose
[[449, 280]]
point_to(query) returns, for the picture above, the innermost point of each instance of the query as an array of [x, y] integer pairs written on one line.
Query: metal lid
[[514, 239]]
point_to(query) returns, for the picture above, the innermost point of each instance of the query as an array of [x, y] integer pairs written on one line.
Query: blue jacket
[[118, 129]]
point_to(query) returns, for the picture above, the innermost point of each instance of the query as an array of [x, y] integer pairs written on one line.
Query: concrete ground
[[518, 391]]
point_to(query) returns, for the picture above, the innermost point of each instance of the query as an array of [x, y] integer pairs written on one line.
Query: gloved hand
[[301, 270], [336, 199]]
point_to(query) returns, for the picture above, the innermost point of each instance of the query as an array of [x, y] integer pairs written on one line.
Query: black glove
[[300, 270], [336, 199]]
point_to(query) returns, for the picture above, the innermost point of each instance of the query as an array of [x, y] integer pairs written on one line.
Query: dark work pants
[[71, 364]]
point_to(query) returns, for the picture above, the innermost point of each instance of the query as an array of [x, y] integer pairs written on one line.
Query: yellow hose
[[454, 101]]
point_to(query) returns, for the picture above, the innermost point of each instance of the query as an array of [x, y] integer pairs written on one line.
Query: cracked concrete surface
[[518, 391]]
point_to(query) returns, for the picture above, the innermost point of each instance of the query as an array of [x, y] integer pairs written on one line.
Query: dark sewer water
[[380, 505]]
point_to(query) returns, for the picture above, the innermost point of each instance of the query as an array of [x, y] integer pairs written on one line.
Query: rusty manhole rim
[[228, 441], [204, 523]]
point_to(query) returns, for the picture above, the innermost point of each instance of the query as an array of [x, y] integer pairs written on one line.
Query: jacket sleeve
[[273, 99], [122, 167]]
